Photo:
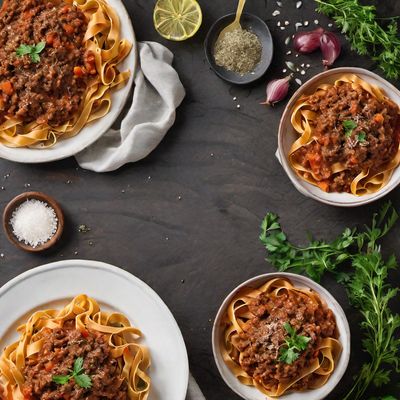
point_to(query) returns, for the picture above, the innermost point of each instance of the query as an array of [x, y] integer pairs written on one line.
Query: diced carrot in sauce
[[79, 71], [50, 38], [323, 185], [49, 366], [353, 107], [378, 118], [90, 63], [353, 160], [7, 88], [69, 29], [85, 333], [315, 162]]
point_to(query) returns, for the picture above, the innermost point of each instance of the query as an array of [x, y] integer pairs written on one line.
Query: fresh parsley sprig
[[367, 37], [366, 284], [32, 50], [349, 125], [294, 345], [80, 378]]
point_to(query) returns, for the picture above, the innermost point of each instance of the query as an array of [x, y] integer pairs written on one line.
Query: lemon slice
[[177, 19]]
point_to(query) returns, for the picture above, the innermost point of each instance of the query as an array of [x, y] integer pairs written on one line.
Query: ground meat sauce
[[264, 334], [48, 91], [372, 142], [62, 346]]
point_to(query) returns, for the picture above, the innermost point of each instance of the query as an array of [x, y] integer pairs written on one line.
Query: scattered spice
[[83, 228], [34, 222], [238, 51]]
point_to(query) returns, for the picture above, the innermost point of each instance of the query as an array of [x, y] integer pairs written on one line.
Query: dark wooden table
[[186, 219]]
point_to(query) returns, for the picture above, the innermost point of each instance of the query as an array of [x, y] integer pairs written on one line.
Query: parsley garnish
[[349, 125], [32, 50], [361, 137], [80, 378], [294, 345], [366, 36], [356, 260]]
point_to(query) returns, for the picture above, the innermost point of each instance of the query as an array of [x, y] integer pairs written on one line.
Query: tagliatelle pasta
[[84, 315], [102, 40], [254, 326], [348, 137]]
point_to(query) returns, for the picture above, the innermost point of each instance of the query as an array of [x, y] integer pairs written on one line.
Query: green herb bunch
[[80, 378], [367, 37], [356, 261]]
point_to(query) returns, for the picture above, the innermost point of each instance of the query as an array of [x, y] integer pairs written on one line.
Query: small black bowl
[[253, 24]]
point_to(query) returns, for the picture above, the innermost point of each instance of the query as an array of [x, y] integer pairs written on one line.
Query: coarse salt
[[34, 222]]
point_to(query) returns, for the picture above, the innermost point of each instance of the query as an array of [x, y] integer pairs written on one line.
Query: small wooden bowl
[[16, 202]]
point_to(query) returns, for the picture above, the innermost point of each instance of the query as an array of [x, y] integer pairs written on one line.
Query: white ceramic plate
[[92, 131], [251, 393], [287, 136], [55, 284]]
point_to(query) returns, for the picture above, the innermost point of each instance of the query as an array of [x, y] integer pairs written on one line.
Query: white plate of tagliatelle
[[85, 328]]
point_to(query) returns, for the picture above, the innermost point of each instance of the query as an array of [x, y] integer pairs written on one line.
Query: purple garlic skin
[[330, 47], [308, 42], [277, 90]]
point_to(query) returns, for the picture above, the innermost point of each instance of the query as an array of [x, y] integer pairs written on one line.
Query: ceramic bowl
[[253, 24], [287, 136], [251, 393], [15, 203], [94, 130]]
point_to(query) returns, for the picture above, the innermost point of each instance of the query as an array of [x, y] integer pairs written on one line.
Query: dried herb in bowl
[[238, 51]]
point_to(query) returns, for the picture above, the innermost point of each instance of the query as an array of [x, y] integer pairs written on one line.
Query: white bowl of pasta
[[281, 324], [339, 137]]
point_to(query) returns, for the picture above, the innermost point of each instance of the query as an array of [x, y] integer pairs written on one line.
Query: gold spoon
[[235, 25]]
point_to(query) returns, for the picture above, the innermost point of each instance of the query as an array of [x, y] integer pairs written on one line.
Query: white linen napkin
[[157, 93], [194, 392]]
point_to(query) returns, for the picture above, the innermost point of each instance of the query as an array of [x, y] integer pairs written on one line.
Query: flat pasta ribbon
[[133, 359]]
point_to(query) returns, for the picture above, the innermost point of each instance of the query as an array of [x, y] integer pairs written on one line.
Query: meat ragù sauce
[[62, 346], [264, 335], [352, 128], [48, 89]]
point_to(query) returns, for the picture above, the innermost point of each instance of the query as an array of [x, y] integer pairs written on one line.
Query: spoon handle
[[239, 10]]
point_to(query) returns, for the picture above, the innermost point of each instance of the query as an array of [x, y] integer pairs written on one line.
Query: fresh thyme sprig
[[366, 283], [367, 37]]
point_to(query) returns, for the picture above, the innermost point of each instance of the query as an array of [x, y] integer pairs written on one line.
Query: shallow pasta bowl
[[299, 281], [94, 130], [287, 136]]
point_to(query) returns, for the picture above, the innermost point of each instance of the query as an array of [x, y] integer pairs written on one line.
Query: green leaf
[[39, 47], [361, 137], [301, 342], [61, 379], [349, 126], [288, 355], [78, 365], [23, 49], [84, 381], [35, 57], [289, 329]]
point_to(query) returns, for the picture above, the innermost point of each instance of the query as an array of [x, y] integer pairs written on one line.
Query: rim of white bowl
[[295, 179], [257, 281]]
